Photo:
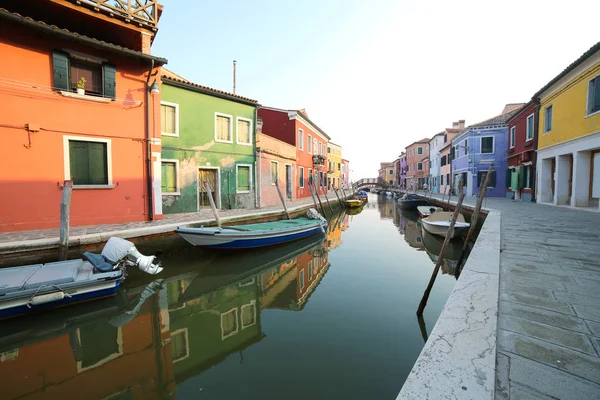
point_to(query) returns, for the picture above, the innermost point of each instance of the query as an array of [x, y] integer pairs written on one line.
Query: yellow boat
[[354, 203]]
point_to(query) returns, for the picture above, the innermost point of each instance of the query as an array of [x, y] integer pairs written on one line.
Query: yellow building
[[568, 159], [387, 173], [334, 170]]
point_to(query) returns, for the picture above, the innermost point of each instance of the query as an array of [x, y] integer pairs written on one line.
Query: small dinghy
[[354, 203], [255, 235], [438, 223], [30, 287], [425, 211]]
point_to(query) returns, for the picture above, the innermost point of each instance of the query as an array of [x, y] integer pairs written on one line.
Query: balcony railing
[[318, 161], [143, 12]]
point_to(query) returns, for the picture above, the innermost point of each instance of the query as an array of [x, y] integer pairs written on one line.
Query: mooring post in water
[[449, 193], [449, 234], [313, 196], [474, 218], [338, 197], [212, 203], [318, 198], [281, 198], [328, 203], [65, 211]]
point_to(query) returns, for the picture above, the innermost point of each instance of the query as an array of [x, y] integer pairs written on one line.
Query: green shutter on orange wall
[[109, 79], [61, 69]]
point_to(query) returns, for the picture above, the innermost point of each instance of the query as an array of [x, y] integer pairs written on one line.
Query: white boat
[[438, 223], [426, 211]]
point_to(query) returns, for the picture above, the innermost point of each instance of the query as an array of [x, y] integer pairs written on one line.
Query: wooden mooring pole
[[450, 233], [328, 203], [313, 196], [282, 199], [338, 197], [212, 203], [318, 198], [474, 219], [65, 212]]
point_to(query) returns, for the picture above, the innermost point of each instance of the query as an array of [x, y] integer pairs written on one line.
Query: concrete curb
[[459, 358]]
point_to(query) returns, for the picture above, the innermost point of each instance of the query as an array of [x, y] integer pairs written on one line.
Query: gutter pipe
[[149, 145]]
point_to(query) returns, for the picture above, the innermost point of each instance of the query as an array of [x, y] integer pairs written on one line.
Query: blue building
[[478, 146]]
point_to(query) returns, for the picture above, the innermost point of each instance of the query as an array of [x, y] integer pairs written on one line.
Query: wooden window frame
[[481, 144], [176, 162], [237, 132], [512, 135], [527, 138], [218, 114], [176, 107], [237, 167], [301, 140], [67, 160]]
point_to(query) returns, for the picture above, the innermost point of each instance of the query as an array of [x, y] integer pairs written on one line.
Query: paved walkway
[[548, 343], [93, 234]]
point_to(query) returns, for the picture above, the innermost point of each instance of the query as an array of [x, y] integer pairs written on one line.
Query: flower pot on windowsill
[[80, 92]]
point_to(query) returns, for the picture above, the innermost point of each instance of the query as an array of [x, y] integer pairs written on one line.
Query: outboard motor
[[118, 249]]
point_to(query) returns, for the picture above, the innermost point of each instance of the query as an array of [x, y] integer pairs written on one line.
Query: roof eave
[[158, 61], [595, 48], [189, 86]]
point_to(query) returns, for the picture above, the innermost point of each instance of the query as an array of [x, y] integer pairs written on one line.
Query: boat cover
[[33, 276]]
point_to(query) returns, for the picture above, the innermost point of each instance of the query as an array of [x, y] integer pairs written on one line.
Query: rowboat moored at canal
[[39, 286], [255, 235], [438, 223], [411, 201]]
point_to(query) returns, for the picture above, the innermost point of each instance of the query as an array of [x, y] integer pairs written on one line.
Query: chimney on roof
[[459, 125], [303, 111]]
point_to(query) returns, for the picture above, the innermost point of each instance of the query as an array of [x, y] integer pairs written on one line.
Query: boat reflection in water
[[411, 223], [149, 338]]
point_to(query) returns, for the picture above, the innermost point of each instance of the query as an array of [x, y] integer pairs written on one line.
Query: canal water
[[325, 317]]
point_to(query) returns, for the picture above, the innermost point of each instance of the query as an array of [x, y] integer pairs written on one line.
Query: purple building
[[478, 146], [402, 171]]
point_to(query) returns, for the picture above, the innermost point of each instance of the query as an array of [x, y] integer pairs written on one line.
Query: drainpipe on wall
[[256, 167], [149, 145]]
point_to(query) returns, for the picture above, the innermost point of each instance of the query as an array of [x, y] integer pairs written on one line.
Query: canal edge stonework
[[459, 358]]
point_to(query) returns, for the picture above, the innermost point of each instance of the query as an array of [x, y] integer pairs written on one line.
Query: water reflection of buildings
[[334, 231], [410, 225], [79, 350], [387, 208], [192, 323]]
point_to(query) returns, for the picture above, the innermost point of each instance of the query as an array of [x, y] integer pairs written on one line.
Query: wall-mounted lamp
[[154, 88]]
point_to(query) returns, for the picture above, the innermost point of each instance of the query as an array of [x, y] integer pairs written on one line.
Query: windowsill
[[93, 186], [512, 149], [242, 191], [86, 97], [169, 134], [224, 141], [528, 141], [545, 133], [244, 144], [592, 114], [170, 193]]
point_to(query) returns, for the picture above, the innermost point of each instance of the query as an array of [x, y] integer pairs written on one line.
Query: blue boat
[[254, 235], [29, 288]]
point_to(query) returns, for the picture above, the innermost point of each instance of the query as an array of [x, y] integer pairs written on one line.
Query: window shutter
[[243, 178], [109, 80], [521, 177], [98, 174], [60, 67], [508, 177]]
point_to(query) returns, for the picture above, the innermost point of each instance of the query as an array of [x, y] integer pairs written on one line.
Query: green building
[[207, 136]]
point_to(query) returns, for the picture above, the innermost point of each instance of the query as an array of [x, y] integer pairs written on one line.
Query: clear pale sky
[[377, 75]]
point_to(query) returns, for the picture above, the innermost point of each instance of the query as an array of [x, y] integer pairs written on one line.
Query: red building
[[522, 145], [417, 164], [294, 127]]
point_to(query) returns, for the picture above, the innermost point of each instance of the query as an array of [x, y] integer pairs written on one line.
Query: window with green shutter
[[68, 69], [273, 172], [169, 177], [243, 178], [88, 162]]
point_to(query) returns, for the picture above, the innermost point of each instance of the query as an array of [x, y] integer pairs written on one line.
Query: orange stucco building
[[106, 140]]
